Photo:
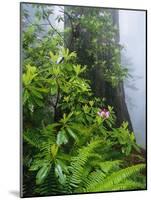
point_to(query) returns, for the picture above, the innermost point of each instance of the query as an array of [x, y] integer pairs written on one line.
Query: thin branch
[[51, 103], [49, 22], [39, 24], [72, 27], [57, 100]]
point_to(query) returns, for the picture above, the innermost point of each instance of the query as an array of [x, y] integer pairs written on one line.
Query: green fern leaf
[[126, 185], [115, 178], [78, 163], [32, 138]]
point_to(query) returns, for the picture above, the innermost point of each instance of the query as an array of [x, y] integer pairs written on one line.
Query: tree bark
[[114, 96]]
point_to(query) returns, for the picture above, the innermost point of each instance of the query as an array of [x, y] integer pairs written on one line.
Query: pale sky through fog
[[132, 36]]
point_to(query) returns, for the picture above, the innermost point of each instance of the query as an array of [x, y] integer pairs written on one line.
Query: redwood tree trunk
[[114, 96]]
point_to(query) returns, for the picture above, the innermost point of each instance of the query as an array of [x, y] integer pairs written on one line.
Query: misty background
[[132, 37]]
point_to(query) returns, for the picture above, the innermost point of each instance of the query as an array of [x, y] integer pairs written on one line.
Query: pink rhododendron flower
[[104, 113]]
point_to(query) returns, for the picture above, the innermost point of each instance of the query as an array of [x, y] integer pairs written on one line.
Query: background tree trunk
[[114, 96], [118, 94]]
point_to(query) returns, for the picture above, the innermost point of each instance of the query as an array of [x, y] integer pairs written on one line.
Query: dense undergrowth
[[71, 143]]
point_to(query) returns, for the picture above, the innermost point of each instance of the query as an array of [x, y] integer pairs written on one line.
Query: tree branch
[[57, 100], [49, 22], [72, 27]]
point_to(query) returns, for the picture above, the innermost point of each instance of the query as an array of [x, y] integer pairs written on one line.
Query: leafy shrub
[[65, 147]]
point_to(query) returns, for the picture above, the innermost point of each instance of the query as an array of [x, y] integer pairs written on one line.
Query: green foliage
[[42, 174], [68, 146], [78, 163], [124, 138], [98, 33], [114, 181]]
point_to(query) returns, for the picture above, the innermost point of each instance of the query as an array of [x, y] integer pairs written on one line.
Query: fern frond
[[50, 186], [115, 178], [94, 178], [95, 157], [78, 162], [125, 185], [83, 132], [106, 166], [32, 138]]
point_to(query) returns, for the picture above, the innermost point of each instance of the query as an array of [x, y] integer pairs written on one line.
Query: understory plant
[[77, 148]]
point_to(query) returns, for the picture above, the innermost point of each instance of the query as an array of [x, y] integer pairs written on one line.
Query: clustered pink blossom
[[104, 113]]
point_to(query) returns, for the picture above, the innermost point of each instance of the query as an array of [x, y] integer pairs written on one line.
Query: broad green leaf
[[36, 93], [29, 75], [59, 173], [53, 90], [91, 103], [42, 174], [62, 137], [25, 96], [54, 150], [72, 134], [56, 70], [39, 102], [53, 57], [37, 164]]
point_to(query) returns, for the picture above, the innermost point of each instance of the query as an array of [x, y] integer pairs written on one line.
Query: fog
[[132, 36]]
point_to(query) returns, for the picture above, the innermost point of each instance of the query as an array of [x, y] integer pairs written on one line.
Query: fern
[[32, 139], [94, 178], [125, 185], [85, 174], [113, 179], [50, 186], [107, 166], [78, 162]]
